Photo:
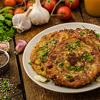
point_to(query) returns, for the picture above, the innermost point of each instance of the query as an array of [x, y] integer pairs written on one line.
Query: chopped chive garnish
[[8, 98], [51, 40], [30, 63], [11, 90], [72, 41], [83, 26], [39, 63], [2, 91], [67, 32], [48, 80], [70, 49], [4, 97], [71, 46], [90, 30], [4, 86], [90, 58], [55, 61], [44, 36], [81, 69], [90, 34], [67, 42], [38, 56], [98, 34], [83, 32], [76, 49], [61, 64], [49, 52], [68, 76], [40, 74]]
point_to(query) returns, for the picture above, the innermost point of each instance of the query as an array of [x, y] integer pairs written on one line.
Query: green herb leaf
[[2, 18], [8, 22]]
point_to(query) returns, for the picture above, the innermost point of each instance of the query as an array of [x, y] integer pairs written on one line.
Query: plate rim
[[80, 91]]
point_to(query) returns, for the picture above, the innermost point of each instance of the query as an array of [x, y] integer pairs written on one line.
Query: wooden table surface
[[26, 89]]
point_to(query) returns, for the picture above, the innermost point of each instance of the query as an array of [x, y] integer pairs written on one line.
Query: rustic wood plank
[[34, 91], [12, 74]]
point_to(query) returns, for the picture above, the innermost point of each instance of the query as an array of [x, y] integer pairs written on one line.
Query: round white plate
[[50, 85]]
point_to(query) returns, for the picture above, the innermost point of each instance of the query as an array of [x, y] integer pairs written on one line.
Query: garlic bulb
[[4, 45], [39, 15], [21, 22]]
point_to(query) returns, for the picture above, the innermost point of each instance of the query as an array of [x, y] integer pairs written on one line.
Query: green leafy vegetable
[[7, 30]]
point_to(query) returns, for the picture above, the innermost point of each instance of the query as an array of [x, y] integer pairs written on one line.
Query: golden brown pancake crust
[[74, 62], [40, 53]]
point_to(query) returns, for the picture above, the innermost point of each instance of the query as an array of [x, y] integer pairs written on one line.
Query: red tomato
[[49, 5], [29, 4], [9, 3], [64, 13], [11, 11], [72, 3], [18, 11], [20, 1]]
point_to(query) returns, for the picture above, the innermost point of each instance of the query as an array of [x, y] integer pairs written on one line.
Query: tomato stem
[[55, 7]]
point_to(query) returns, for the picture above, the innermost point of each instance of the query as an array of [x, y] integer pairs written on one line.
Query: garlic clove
[[40, 78], [4, 45], [21, 22], [20, 46], [39, 15]]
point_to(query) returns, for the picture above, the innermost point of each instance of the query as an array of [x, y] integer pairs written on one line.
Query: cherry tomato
[[11, 11], [18, 11], [20, 1], [29, 4], [64, 13], [72, 3], [9, 3], [49, 5]]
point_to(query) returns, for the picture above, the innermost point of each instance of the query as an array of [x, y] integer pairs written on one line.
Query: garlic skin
[[4, 45], [39, 15], [21, 22], [40, 78], [20, 46]]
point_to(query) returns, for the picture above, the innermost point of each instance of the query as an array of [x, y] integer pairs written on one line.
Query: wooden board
[[12, 74]]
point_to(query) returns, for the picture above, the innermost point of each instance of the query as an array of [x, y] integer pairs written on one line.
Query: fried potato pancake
[[40, 53], [87, 33], [74, 62]]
